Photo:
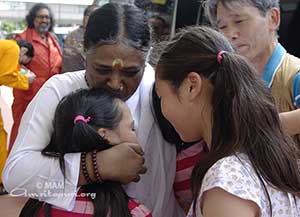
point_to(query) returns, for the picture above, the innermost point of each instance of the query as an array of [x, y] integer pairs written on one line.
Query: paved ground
[[11, 206]]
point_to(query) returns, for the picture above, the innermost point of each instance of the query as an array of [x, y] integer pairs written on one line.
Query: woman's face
[[116, 67], [125, 131]]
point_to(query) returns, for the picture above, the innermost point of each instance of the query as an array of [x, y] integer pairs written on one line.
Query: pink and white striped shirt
[[185, 163], [84, 208]]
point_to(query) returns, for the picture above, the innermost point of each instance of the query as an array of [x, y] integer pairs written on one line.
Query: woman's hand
[[123, 163]]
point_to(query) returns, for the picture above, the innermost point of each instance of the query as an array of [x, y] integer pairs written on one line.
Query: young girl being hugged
[[251, 169], [88, 121]]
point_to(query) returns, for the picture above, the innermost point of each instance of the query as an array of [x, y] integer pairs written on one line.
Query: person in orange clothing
[[12, 55], [46, 63]]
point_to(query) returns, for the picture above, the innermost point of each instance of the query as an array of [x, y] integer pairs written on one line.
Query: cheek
[[127, 136], [133, 137], [164, 108], [26, 60], [225, 33], [132, 83], [168, 112], [35, 23], [94, 79]]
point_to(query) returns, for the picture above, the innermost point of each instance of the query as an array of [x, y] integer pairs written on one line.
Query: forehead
[[233, 10], [25, 49], [107, 53], [43, 11], [125, 111]]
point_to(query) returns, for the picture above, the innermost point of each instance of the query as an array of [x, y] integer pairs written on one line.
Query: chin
[[185, 138]]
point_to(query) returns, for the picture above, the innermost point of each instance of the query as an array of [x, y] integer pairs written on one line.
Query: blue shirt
[[272, 67]]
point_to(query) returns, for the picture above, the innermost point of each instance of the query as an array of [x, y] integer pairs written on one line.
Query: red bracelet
[[84, 169], [95, 167]]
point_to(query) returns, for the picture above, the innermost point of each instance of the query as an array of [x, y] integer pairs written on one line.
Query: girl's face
[[125, 132], [189, 107], [184, 107]]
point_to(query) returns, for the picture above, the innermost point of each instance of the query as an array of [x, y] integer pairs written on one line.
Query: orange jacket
[[47, 61]]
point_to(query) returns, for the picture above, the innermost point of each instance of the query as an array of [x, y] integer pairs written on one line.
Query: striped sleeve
[[138, 210], [185, 162], [296, 90]]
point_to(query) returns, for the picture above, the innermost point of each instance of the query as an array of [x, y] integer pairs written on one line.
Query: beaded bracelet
[[95, 167], [84, 169]]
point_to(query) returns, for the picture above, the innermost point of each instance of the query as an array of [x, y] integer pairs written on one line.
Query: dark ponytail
[[110, 198]]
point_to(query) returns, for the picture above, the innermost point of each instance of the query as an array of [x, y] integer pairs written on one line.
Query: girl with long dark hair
[[251, 168]]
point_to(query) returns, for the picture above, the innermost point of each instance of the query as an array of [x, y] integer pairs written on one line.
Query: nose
[[233, 34], [115, 82]]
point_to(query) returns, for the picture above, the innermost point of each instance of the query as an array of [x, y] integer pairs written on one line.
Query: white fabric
[[236, 175], [27, 169]]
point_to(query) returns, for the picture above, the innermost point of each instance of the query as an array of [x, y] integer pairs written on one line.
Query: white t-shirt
[[236, 175], [28, 171]]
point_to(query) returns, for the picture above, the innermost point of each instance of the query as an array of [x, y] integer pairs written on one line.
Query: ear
[[102, 132], [274, 18], [194, 85], [23, 50]]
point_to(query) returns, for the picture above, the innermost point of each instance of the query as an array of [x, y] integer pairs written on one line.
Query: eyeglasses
[[41, 17]]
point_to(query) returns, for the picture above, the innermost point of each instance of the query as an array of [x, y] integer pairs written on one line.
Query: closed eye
[[103, 71], [130, 73]]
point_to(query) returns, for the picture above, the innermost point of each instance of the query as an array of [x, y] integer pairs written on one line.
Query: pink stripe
[[191, 151], [87, 208], [140, 211], [188, 162], [132, 204], [184, 174], [60, 213], [84, 207]]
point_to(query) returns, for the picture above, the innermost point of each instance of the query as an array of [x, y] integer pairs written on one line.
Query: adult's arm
[[291, 121], [26, 169]]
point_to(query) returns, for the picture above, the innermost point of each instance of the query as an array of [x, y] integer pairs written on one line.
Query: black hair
[[293, 33], [28, 45], [113, 23], [104, 111], [244, 117], [32, 14]]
